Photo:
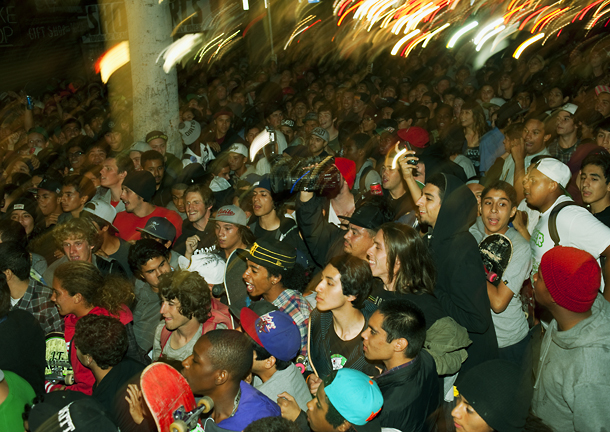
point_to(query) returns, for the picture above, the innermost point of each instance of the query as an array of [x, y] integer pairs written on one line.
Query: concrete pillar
[[155, 93]]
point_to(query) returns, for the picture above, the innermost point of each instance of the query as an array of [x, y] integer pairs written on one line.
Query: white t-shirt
[[508, 169], [576, 227], [533, 216], [511, 324]]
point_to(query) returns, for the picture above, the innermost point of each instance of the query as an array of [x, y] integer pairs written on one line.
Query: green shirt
[[19, 394]]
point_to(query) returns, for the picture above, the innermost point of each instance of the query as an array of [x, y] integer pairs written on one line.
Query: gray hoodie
[[572, 390]]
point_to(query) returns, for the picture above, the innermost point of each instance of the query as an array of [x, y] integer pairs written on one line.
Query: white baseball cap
[[239, 149], [209, 265], [103, 210], [555, 170], [569, 107]]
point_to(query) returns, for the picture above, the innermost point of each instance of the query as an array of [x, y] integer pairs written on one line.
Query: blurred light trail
[[112, 60], [489, 35], [527, 43], [403, 40], [461, 32]]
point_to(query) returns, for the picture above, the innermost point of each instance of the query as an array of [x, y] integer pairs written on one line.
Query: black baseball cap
[[368, 215]]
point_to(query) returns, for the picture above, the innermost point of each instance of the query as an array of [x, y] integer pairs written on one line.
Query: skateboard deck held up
[[496, 252], [58, 367], [170, 399]]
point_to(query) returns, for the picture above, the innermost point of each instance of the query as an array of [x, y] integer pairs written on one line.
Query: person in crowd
[[101, 214], [602, 100], [80, 289], [27, 293], [340, 316], [276, 341], [24, 339], [135, 153], [48, 197], [544, 191], [148, 260], [232, 231], [273, 274], [101, 343], [347, 399], [402, 262], [153, 162], [594, 189], [238, 161], [79, 240], [157, 140], [23, 210], [12, 408], [570, 387], [536, 135], [449, 208], [568, 139], [481, 408], [472, 119], [76, 191], [138, 189], [197, 234], [271, 223], [498, 208], [358, 149], [114, 171], [395, 335], [188, 311]]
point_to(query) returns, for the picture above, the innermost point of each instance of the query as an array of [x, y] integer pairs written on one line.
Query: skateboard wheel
[[207, 402], [69, 379], [301, 367], [178, 426], [492, 277]]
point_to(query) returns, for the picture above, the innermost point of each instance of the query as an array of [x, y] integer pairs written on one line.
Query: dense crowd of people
[[310, 255]]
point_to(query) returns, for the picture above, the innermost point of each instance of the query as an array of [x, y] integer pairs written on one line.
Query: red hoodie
[[83, 377]]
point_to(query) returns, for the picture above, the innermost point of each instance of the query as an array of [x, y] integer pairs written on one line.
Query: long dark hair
[[404, 247]]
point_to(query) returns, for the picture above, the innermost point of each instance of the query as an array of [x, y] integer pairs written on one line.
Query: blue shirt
[[491, 147]]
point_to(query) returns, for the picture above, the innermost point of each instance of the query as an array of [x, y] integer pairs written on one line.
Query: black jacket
[[323, 239], [411, 395], [461, 287]]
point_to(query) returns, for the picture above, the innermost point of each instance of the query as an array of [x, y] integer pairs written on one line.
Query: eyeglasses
[[75, 154]]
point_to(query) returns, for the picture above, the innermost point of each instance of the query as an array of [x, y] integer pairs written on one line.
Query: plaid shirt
[[295, 305], [37, 301], [560, 153]]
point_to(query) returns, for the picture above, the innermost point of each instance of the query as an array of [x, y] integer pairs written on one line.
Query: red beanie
[[347, 168], [572, 277]]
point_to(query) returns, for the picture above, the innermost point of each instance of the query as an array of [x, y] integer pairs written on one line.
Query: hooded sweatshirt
[[461, 287], [572, 390], [83, 377]]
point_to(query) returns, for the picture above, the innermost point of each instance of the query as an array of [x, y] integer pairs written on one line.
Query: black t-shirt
[[207, 237], [340, 348], [400, 206], [604, 216]]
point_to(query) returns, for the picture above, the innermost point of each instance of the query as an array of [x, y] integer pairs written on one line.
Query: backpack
[[219, 315], [553, 220]]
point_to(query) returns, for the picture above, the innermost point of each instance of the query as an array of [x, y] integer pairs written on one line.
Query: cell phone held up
[[29, 103]]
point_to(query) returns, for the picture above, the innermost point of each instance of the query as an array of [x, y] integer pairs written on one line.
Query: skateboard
[[170, 399], [58, 367], [496, 251]]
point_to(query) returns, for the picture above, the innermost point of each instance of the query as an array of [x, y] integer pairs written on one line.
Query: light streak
[[527, 43]]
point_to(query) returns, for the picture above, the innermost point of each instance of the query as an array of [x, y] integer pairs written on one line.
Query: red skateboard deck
[[166, 393]]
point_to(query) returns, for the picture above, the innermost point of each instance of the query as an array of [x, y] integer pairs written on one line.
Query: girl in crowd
[[473, 122]]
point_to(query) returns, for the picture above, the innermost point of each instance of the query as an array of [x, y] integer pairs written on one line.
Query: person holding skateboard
[[498, 208]]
